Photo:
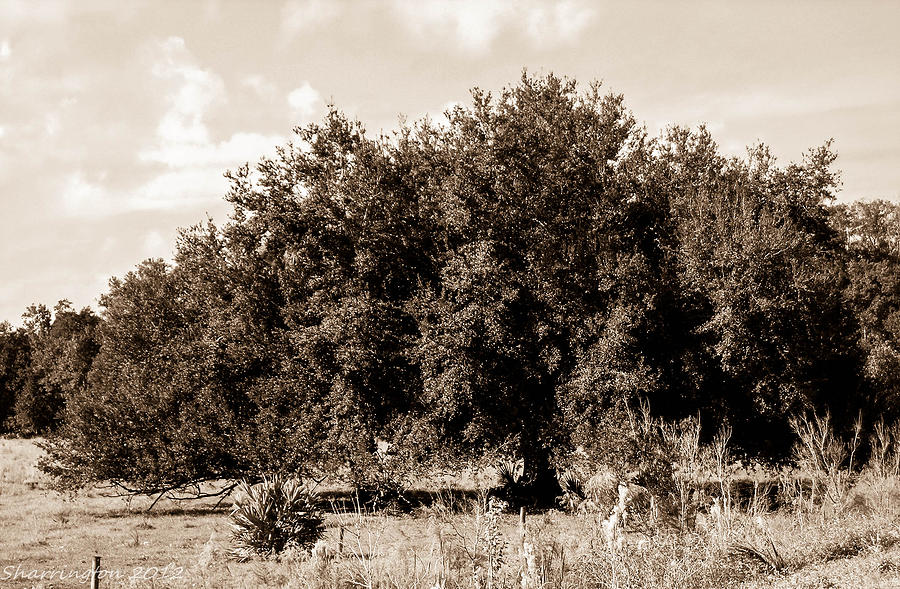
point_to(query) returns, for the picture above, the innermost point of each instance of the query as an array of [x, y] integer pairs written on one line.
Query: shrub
[[273, 515], [827, 457], [510, 473], [512, 485], [381, 478], [574, 493], [884, 444]]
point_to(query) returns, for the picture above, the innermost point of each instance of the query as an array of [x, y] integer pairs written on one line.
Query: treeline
[[42, 364], [509, 283]]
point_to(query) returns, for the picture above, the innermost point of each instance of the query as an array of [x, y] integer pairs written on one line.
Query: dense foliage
[[43, 365], [505, 283]]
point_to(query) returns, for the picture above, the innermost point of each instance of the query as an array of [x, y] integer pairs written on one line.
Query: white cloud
[[305, 101], [303, 15], [183, 139], [196, 90], [2, 131], [193, 160], [474, 24], [717, 109], [172, 190], [110, 243], [563, 21], [260, 85], [193, 178], [179, 188], [5, 49], [51, 123], [439, 116], [155, 245], [16, 12], [81, 197], [239, 148]]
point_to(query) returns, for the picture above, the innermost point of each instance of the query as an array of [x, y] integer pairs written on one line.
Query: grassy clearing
[[43, 530], [744, 544]]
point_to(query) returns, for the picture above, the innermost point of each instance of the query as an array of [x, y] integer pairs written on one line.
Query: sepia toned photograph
[[449, 294]]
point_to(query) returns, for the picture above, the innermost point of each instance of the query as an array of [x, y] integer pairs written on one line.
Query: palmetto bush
[[510, 473], [512, 485], [278, 513], [574, 492]]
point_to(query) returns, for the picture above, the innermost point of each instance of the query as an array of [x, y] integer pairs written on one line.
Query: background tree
[[62, 347], [155, 415], [15, 357], [870, 232], [762, 271]]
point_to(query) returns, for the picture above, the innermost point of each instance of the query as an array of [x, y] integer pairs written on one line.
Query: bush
[[662, 465], [512, 484], [574, 491], [273, 515]]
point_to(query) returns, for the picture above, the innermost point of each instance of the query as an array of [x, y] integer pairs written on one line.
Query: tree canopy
[[505, 282]]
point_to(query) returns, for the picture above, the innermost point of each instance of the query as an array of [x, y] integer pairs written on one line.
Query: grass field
[[180, 544]]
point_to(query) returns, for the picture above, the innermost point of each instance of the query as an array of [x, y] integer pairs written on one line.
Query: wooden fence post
[[522, 527], [95, 573]]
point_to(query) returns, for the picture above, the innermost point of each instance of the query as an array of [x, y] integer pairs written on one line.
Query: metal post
[[522, 528], [95, 573]]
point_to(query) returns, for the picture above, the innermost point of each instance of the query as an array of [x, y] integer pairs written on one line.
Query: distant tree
[[763, 272], [15, 353], [62, 348], [155, 415], [870, 232], [869, 228]]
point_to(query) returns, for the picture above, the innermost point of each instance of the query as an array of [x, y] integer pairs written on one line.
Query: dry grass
[[186, 545], [43, 530]]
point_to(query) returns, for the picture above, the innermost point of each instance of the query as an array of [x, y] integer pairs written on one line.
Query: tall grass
[[826, 457], [698, 530]]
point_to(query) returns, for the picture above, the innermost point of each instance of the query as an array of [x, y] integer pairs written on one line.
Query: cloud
[[559, 22], [727, 108], [51, 123], [304, 15], [305, 101], [5, 50], [260, 85], [195, 91], [82, 197], [475, 24], [240, 147], [182, 165], [438, 116], [172, 190], [17, 12], [155, 245], [182, 137]]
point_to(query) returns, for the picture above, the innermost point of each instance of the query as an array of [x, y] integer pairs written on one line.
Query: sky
[[118, 118]]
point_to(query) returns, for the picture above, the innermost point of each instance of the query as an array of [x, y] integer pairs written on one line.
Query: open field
[[186, 545]]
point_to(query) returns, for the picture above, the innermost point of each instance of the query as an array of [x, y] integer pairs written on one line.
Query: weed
[[828, 458]]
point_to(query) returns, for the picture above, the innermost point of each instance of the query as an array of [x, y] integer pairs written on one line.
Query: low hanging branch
[[182, 492]]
